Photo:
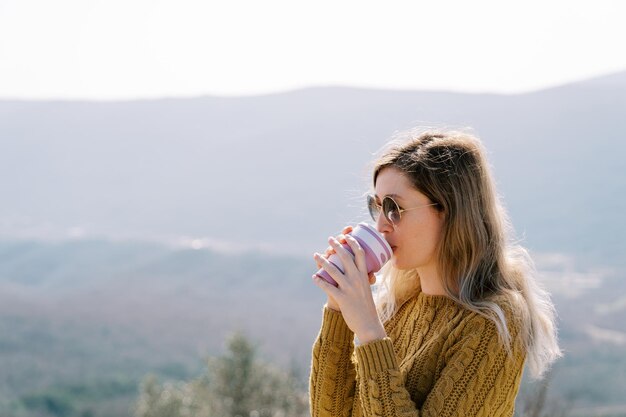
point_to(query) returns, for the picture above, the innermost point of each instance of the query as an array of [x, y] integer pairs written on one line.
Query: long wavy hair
[[481, 266]]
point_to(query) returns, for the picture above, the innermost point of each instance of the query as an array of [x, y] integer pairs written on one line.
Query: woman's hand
[[353, 294], [329, 251]]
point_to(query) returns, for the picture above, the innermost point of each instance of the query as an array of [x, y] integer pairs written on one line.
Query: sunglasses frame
[[371, 201]]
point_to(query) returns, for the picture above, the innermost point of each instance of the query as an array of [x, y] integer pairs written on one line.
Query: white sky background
[[121, 49]]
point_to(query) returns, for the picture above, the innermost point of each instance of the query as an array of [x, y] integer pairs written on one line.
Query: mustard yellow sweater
[[438, 359]]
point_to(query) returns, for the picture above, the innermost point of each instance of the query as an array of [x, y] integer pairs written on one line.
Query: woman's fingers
[[341, 238]]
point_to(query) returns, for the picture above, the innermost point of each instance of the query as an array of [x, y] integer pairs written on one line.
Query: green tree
[[235, 385], [172, 400]]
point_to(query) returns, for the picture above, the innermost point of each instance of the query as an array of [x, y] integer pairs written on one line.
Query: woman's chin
[[398, 264], [395, 263]]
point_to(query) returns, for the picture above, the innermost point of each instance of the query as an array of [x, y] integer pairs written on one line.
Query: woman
[[458, 311]]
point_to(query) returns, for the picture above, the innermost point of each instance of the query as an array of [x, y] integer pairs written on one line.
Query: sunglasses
[[390, 209]]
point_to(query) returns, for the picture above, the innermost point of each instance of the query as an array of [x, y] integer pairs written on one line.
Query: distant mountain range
[[280, 172]]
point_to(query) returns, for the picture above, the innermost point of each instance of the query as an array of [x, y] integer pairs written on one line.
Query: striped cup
[[377, 251]]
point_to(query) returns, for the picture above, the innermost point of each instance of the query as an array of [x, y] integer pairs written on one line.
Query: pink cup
[[377, 251]]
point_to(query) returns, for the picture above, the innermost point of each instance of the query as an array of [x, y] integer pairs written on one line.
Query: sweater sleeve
[[477, 379], [332, 380]]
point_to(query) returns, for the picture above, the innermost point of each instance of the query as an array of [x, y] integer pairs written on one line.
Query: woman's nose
[[382, 225]]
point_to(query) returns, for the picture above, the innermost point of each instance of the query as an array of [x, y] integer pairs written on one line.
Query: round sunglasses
[[390, 209]]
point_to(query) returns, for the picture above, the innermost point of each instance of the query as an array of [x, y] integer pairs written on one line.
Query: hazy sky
[[111, 49]]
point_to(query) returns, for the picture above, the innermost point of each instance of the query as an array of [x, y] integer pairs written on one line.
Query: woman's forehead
[[393, 183]]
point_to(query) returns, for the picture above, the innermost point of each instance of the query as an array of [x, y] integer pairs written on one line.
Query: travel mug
[[377, 251]]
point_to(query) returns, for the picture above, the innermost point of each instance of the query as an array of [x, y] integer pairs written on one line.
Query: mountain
[[281, 172]]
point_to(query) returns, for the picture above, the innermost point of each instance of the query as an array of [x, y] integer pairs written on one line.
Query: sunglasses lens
[[372, 207], [391, 210]]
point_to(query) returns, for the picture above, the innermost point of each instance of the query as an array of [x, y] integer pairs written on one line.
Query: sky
[[133, 49]]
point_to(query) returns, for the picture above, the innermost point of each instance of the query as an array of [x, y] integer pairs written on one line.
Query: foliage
[[235, 385]]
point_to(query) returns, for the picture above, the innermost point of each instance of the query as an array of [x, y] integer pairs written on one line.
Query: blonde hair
[[482, 268]]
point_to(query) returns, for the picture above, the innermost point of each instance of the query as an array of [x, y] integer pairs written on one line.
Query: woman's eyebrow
[[390, 195]]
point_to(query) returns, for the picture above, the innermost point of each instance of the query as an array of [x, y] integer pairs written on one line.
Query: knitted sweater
[[438, 359]]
